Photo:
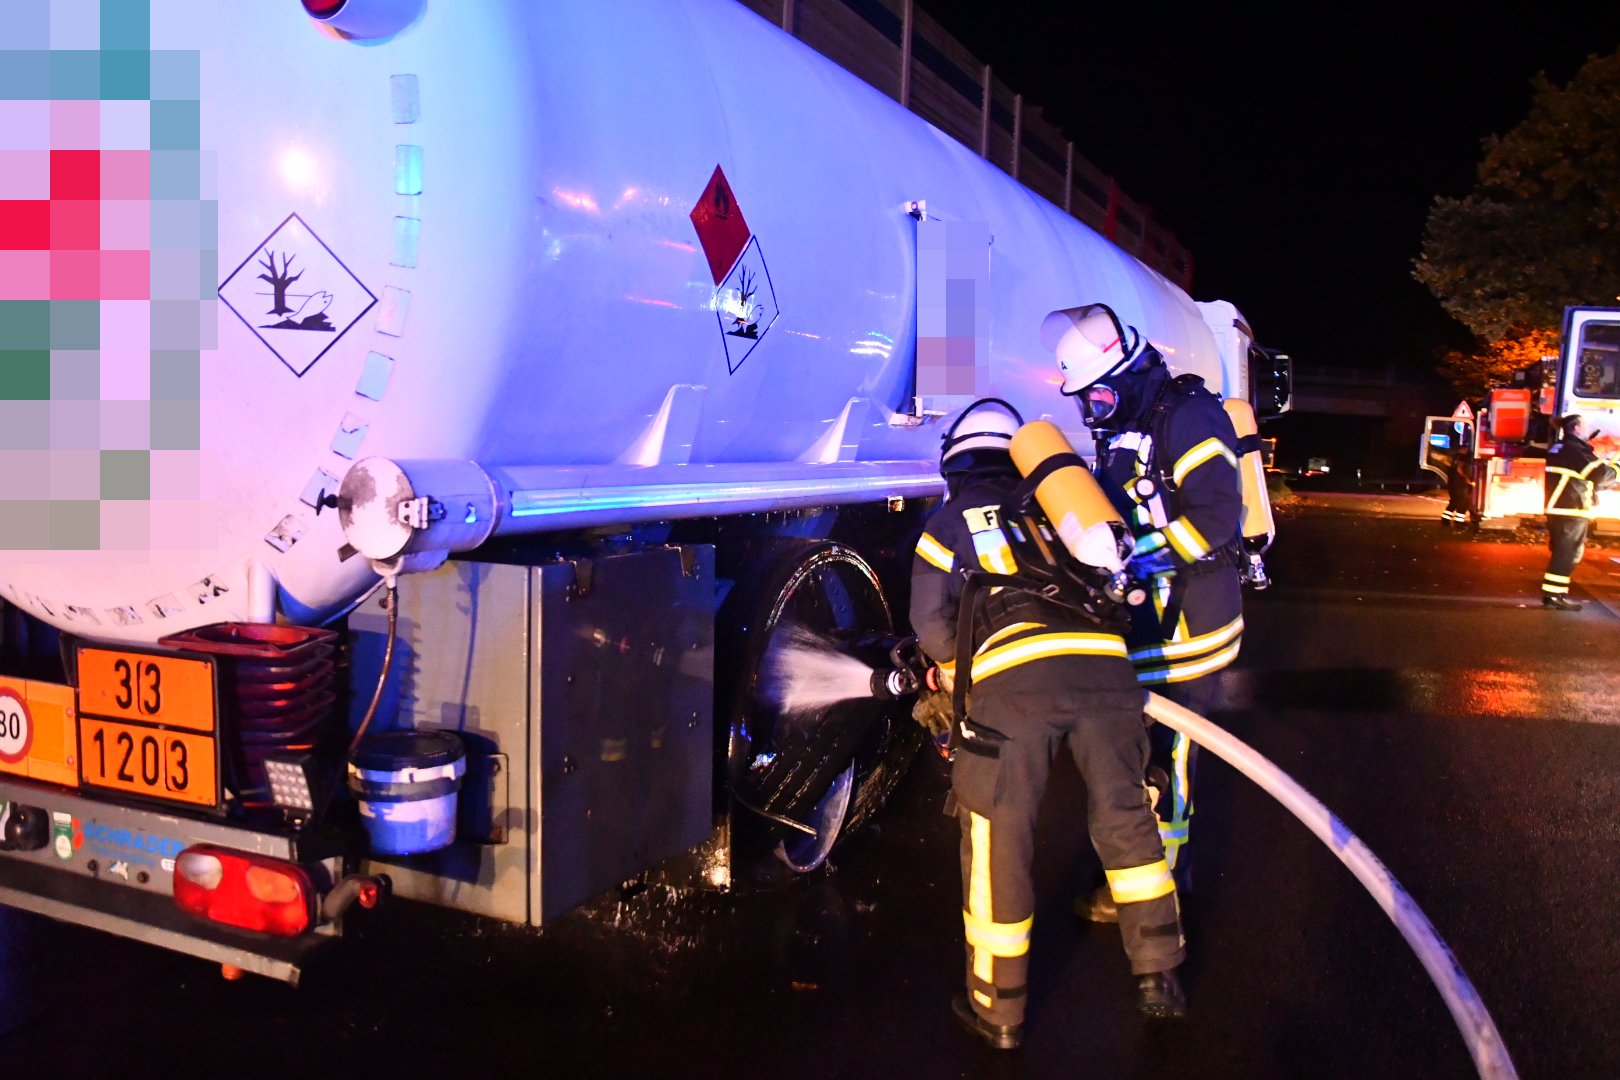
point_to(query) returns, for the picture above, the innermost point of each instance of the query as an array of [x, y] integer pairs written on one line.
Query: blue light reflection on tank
[[539, 504]]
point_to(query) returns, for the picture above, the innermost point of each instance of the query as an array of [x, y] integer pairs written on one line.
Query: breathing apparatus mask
[[1097, 355]]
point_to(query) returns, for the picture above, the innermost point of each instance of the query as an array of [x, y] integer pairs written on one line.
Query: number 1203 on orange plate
[[148, 724]]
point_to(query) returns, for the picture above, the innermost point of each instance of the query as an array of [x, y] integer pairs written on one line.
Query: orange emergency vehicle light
[[1508, 418]]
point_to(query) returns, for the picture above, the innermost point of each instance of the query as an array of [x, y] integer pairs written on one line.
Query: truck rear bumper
[[110, 867]]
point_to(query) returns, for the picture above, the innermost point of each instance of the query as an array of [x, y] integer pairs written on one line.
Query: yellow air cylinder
[[1070, 496], [1257, 521]]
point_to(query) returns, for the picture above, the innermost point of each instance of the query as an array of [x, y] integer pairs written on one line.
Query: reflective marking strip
[[1041, 646], [1179, 752], [1139, 883], [1556, 577], [982, 998], [1183, 672], [998, 939], [1150, 543], [407, 170], [1554, 588], [934, 553], [979, 890], [1191, 646], [1204, 451], [1187, 541], [1007, 632], [994, 554]]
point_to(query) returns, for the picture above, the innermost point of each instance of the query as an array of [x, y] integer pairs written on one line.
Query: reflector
[[247, 891]]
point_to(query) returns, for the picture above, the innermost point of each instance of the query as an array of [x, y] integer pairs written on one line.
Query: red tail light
[[322, 8], [249, 891]]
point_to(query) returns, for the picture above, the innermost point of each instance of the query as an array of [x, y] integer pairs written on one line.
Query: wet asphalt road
[[1404, 675]]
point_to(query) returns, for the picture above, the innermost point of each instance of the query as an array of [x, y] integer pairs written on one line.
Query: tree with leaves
[[1539, 232]]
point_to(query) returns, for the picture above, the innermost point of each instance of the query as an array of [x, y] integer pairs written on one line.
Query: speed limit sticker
[[16, 727]]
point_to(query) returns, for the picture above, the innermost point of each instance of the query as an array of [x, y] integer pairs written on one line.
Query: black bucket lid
[[391, 751]]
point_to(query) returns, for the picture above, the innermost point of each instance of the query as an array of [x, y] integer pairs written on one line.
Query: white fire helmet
[[1090, 343], [987, 424]]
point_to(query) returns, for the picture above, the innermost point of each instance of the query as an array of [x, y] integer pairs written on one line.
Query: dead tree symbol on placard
[[741, 308], [311, 315]]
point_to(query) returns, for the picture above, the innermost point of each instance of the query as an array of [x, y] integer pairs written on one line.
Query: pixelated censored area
[[953, 308], [108, 262]]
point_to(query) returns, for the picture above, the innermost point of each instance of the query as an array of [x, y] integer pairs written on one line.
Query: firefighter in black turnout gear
[[1574, 472], [1043, 675], [1167, 455]]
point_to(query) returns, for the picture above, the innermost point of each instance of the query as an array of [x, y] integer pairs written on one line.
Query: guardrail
[[896, 47]]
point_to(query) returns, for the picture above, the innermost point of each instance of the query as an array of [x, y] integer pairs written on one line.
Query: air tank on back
[[576, 240]]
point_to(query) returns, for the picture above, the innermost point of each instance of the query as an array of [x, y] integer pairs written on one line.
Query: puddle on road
[[1585, 695]]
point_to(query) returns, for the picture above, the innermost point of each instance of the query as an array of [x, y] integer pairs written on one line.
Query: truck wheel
[[803, 778]]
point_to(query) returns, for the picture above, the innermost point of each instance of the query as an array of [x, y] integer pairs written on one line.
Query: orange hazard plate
[[148, 724], [173, 765]]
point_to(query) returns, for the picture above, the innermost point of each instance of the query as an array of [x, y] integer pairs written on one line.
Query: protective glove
[[933, 711]]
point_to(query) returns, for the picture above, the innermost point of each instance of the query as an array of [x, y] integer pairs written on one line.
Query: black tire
[[830, 768]]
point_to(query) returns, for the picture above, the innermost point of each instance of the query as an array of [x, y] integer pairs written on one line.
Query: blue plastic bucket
[[406, 784]]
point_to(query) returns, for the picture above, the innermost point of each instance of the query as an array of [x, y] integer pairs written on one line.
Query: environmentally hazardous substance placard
[[296, 295]]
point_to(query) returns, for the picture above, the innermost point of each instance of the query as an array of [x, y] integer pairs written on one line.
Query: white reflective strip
[[1186, 540], [1183, 672], [1179, 754], [1204, 451], [1191, 646], [934, 553], [1042, 646]]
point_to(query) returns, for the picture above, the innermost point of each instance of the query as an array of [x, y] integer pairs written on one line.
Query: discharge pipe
[[1478, 1030]]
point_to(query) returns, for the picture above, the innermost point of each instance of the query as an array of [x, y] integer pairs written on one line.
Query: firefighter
[[1167, 457], [1574, 471], [1043, 675], [1459, 490]]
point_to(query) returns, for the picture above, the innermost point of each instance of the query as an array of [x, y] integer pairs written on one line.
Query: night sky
[[1296, 157]]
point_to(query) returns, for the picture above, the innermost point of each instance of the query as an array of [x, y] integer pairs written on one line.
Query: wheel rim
[[798, 773]]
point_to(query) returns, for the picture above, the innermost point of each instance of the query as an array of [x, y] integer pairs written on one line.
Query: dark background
[[1296, 155]]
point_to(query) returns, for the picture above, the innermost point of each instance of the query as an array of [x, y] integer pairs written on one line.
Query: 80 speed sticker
[[16, 727]]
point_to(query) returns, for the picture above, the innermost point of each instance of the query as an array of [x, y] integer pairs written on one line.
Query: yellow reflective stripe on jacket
[[935, 553], [1190, 646], [997, 939], [1042, 646], [1140, 883], [1188, 541], [1205, 451], [1008, 631]]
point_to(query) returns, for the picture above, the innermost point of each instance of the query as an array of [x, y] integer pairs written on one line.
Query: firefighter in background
[[1167, 457], [1043, 675], [1459, 489], [1574, 471]]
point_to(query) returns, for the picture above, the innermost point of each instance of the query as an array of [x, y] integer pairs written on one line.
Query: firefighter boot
[[1159, 995], [1557, 602], [1097, 906], [999, 1036]]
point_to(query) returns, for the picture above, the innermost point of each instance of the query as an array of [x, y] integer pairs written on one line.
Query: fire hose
[[1478, 1030]]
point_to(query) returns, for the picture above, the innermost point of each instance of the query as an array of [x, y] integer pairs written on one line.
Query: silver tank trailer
[[458, 243]]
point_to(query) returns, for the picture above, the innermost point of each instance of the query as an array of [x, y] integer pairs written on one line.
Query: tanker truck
[[444, 408]]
